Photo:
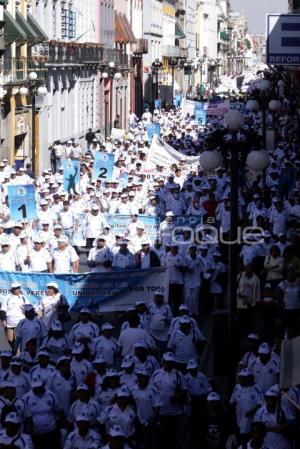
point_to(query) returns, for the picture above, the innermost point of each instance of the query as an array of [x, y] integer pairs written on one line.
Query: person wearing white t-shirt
[[83, 437], [67, 219], [100, 257], [105, 345], [132, 335], [8, 257], [30, 327], [289, 293], [13, 310], [39, 259], [192, 279], [246, 399], [12, 436], [52, 305], [65, 258], [95, 223]]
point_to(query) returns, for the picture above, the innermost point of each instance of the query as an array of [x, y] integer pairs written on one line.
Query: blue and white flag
[[103, 166], [152, 128], [71, 176], [119, 223], [200, 114], [21, 200], [123, 180]]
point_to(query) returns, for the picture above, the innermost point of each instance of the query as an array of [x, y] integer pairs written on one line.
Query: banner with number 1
[[22, 205]]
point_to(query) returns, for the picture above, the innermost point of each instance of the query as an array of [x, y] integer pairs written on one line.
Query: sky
[[256, 10]]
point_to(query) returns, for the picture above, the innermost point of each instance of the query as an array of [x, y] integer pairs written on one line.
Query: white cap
[[116, 432], [183, 307], [107, 326], [192, 364], [37, 382], [245, 372], [85, 310], [7, 384], [63, 358], [82, 417], [168, 357], [78, 349], [184, 320], [127, 361], [141, 344], [82, 387], [140, 225], [123, 392], [56, 326], [273, 392], [169, 214], [111, 373], [12, 418], [264, 349], [15, 285], [99, 360], [28, 307], [141, 372], [213, 397], [252, 336], [145, 241], [53, 284], [95, 207], [6, 353]]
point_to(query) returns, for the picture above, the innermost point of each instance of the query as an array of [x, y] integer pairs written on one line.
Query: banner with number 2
[[22, 204]]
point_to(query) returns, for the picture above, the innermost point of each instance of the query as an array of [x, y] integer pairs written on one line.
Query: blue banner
[[22, 205], [200, 114], [71, 176], [178, 99], [157, 104], [119, 223], [103, 166], [153, 128], [107, 291], [123, 180]]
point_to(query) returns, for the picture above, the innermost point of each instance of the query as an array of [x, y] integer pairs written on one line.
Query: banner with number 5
[[103, 166], [22, 205]]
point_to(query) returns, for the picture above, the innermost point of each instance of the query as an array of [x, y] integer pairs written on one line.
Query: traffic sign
[[283, 39]]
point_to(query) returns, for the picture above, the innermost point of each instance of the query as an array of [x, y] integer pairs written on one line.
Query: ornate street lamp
[[256, 160], [33, 88], [156, 67], [173, 63]]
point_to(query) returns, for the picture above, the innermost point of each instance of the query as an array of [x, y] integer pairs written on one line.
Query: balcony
[[69, 54], [170, 51], [141, 47], [16, 70]]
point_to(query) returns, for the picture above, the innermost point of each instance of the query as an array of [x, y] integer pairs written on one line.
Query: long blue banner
[[110, 291], [21, 200]]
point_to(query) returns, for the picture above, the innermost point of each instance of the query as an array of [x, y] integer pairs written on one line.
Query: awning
[[32, 37], [123, 30], [179, 33], [130, 33], [13, 32], [42, 36]]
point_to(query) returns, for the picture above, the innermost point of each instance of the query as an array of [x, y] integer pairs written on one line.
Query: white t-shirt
[[291, 294], [62, 260], [13, 306], [42, 410], [39, 260]]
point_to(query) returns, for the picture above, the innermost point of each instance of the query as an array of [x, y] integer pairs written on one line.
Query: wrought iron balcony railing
[[16, 70]]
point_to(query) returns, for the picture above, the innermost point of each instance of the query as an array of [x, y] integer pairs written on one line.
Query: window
[[68, 24]]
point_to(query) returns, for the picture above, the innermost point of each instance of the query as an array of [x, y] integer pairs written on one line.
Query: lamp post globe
[[210, 160], [258, 160], [41, 91], [104, 75], [118, 75], [252, 105], [111, 65], [234, 120], [33, 76], [23, 91], [275, 105]]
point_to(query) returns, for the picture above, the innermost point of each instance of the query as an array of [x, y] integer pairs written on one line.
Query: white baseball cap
[[116, 432], [213, 397]]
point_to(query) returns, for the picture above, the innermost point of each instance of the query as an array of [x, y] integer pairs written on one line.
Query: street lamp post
[[173, 63], [33, 88], [111, 72], [3, 92], [201, 61], [156, 68], [257, 160]]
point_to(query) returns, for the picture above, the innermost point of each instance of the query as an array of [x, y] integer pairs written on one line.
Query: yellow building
[[21, 34]]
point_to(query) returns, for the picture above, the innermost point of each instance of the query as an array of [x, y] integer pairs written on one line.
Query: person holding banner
[[100, 257], [13, 311], [54, 306]]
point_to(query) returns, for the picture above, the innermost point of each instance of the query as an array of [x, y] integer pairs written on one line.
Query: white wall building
[[70, 107]]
